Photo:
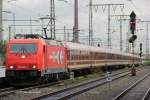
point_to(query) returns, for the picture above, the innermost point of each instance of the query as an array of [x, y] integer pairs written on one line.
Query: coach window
[[95, 55], [114, 57], [80, 55], [102, 56], [71, 57], [99, 56], [68, 54], [92, 56], [117, 57], [122, 57], [76, 57], [126, 57], [109, 56], [83, 56]]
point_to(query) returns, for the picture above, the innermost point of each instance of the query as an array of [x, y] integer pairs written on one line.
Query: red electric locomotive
[[30, 60]]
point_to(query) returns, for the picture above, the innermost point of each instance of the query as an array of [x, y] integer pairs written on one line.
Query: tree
[[2, 49]]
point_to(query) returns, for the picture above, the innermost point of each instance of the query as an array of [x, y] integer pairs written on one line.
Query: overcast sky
[[34, 9]]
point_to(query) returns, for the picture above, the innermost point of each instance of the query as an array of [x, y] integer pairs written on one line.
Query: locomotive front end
[[22, 61]]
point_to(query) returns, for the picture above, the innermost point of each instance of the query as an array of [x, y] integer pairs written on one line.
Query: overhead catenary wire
[[24, 9], [134, 5]]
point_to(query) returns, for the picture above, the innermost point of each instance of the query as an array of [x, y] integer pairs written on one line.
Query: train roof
[[25, 41]]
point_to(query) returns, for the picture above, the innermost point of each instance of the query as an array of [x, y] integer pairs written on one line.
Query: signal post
[[132, 39], [141, 51]]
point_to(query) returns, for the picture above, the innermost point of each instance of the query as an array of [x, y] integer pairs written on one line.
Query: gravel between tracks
[[26, 95], [110, 90]]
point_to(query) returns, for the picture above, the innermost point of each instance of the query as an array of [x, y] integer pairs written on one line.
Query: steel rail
[[147, 94], [13, 90], [118, 97], [8, 91], [75, 90]]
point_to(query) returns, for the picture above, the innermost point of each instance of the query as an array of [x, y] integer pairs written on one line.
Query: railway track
[[6, 89], [75, 90], [147, 95], [138, 91], [12, 90], [96, 82]]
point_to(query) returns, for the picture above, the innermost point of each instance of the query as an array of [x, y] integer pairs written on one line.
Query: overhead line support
[[109, 44]]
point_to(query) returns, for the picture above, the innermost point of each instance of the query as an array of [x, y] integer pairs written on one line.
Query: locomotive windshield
[[23, 48]]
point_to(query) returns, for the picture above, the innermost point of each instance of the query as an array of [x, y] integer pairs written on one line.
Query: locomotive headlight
[[34, 67], [11, 67], [23, 56]]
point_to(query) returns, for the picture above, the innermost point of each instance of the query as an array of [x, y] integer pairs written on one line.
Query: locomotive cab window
[[23, 48]]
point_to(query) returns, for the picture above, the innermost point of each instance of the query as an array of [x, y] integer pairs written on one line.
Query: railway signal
[[140, 49], [98, 45], [132, 22], [133, 38], [132, 27]]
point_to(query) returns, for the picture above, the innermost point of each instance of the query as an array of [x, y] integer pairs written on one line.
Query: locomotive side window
[[23, 48]]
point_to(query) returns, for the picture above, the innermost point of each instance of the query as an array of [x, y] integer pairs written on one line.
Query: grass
[[83, 78], [147, 63], [2, 48]]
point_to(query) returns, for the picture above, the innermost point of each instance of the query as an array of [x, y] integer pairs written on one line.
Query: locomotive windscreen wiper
[[23, 50]]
